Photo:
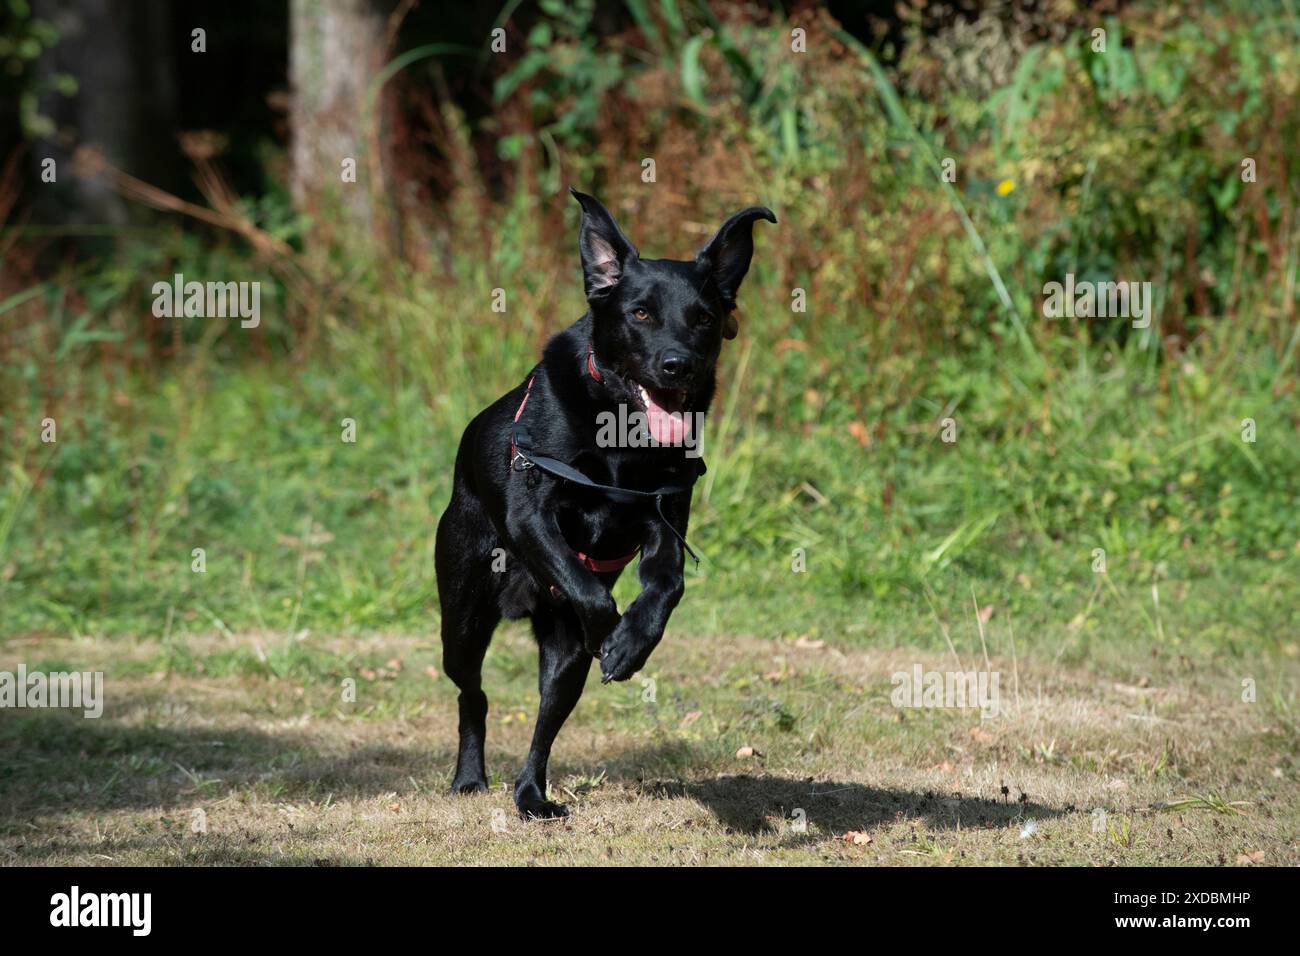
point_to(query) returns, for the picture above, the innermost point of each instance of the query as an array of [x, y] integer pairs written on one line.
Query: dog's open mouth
[[665, 412]]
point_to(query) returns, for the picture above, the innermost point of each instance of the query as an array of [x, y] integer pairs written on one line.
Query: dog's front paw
[[464, 788], [625, 652], [533, 805]]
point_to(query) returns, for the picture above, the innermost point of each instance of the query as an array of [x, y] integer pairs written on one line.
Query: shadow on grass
[[753, 804], [770, 803], [56, 763]]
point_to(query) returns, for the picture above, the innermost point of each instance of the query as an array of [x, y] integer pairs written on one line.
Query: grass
[[1123, 687], [1045, 481], [232, 763]]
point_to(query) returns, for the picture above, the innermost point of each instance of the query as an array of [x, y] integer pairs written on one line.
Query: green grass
[[1124, 689], [1071, 437], [304, 531]]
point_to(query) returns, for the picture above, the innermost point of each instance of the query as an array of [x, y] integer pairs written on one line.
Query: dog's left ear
[[604, 250], [727, 256]]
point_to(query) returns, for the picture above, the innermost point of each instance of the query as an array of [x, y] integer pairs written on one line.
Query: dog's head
[[658, 324]]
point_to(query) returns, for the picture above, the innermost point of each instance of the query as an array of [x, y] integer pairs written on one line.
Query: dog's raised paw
[[618, 664], [623, 655]]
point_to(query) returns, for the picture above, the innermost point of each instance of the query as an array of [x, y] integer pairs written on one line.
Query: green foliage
[[826, 434], [23, 37]]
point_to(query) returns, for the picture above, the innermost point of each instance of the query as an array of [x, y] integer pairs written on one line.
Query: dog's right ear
[[605, 251]]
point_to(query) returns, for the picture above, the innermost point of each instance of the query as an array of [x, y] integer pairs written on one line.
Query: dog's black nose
[[676, 366]]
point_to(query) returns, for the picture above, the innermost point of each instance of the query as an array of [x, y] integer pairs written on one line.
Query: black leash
[[522, 462]]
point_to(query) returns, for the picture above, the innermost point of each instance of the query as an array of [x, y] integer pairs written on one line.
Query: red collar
[[607, 564], [591, 368]]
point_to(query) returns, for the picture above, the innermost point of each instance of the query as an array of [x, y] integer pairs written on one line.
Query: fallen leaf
[[857, 838], [690, 718], [744, 752], [803, 642], [1245, 859]]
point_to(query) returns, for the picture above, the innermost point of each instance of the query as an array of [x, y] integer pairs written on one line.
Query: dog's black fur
[[657, 324]]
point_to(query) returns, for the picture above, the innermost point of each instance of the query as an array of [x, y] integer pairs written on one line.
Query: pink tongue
[[667, 428]]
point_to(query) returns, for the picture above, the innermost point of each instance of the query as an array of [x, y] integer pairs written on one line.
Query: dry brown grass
[[281, 771]]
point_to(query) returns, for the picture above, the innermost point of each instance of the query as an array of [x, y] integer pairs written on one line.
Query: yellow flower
[[1006, 186]]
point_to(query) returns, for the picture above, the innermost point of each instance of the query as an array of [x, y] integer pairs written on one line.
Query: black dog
[[537, 494]]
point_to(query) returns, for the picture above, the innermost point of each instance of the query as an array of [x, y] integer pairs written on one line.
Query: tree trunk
[[335, 51], [120, 54]]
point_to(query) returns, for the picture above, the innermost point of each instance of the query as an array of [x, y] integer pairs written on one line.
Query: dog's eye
[[640, 314], [706, 318]]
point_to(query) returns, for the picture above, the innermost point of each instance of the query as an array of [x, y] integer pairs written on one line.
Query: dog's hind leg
[[562, 674], [470, 614], [466, 633]]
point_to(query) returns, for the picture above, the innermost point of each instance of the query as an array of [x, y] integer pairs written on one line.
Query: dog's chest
[[590, 518]]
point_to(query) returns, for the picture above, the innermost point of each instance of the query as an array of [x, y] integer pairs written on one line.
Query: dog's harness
[[522, 457]]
